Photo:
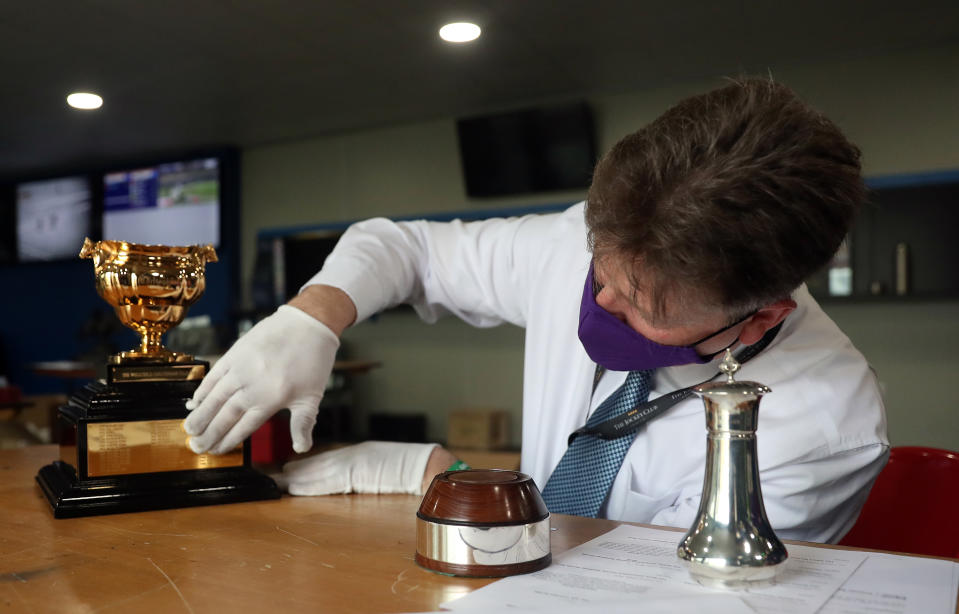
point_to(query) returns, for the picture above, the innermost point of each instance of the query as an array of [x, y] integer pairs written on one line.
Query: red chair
[[913, 506]]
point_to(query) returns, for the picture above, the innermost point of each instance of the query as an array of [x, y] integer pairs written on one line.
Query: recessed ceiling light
[[460, 32], [84, 100]]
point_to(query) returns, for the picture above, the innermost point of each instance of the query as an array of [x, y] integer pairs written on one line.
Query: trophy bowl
[[150, 287]]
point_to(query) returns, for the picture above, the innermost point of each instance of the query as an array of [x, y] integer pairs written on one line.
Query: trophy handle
[[207, 253], [89, 248]]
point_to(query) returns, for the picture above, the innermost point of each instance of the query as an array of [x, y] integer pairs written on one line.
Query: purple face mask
[[614, 345]]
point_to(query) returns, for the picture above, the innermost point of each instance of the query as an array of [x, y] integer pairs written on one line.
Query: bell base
[[733, 577]]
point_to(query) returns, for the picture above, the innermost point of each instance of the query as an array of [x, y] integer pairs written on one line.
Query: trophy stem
[[150, 341], [150, 349]]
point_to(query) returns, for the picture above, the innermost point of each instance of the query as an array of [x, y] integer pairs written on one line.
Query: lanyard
[[630, 421]]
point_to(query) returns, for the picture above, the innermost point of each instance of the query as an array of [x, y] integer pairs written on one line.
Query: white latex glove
[[370, 467], [283, 361]]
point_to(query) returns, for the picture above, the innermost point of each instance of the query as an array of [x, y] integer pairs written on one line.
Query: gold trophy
[[123, 447]]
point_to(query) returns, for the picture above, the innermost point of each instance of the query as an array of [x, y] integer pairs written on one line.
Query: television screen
[[172, 204], [53, 217], [536, 150]]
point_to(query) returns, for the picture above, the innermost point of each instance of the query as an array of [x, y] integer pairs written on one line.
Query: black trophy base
[[123, 449], [71, 497]]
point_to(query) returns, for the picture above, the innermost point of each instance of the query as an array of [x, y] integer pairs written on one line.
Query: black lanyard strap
[[630, 421]]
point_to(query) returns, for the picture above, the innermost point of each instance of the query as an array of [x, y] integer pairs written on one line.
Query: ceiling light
[[460, 32], [84, 100]]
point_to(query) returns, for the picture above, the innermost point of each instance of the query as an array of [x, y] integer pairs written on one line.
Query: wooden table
[[347, 553], [66, 369]]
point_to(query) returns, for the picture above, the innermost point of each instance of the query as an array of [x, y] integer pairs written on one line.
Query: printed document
[[640, 563]]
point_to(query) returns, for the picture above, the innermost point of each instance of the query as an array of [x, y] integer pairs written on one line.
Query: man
[[696, 235]]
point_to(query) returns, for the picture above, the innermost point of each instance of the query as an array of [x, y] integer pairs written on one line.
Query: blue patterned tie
[[584, 475]]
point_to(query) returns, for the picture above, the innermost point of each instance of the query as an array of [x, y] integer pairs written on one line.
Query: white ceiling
[[178, 74]]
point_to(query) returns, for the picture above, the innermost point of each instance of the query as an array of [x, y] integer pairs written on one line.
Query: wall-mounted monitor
[[175, 203], [534, 150], [53, 217]]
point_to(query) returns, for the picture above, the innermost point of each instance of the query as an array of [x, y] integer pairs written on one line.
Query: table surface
[[344, 553], [84, 370], [67, 369]]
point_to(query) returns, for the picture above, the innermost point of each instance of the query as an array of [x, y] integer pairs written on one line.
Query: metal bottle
[[731, 543]]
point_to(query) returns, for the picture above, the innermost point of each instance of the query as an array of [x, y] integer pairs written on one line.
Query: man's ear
[[764, 319]]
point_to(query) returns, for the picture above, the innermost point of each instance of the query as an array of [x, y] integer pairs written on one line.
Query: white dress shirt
[[822, 430]]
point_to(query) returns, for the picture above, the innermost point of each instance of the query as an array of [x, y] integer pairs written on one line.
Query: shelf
[[886, 299]]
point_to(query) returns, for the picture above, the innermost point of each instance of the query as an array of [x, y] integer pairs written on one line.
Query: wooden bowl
[[482, 523]]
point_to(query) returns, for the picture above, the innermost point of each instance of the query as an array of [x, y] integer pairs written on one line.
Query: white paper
[[661, 604], [893, 584], [641, 563]]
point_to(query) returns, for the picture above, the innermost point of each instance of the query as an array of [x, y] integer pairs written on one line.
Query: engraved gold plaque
[[146, 446], [151, 372]]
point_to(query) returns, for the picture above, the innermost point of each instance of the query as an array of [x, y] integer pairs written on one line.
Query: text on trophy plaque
[[118, 448]]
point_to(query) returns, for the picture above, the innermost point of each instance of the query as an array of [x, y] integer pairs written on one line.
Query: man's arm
[[478, 271], [440, 460], [327, 304], [375, 467], [334, 308]]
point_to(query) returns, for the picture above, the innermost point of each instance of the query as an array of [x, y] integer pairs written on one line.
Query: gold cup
[[122, 447], [150, 287]]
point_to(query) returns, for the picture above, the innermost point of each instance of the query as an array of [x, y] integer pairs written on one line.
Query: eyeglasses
[[725, 328]]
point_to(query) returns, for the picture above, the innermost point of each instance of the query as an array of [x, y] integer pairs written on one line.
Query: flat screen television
[[174, 203], [53, 217], [534, 150]]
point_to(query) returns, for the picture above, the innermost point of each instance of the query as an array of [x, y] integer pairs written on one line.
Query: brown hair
[[728, 200]]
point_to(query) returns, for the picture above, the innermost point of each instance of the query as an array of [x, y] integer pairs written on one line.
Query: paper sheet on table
[[640, 561], [650, 604], [893, 584]]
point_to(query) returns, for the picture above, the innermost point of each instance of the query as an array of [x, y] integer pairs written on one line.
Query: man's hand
[[370, 467], [283, 361]]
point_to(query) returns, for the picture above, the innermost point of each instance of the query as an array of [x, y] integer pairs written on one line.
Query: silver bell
[[731, 543]]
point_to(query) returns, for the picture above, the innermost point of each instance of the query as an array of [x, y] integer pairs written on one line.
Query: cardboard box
[[478, 429], [40, 417]]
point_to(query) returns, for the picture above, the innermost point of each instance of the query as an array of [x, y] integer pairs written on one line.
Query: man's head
[[724, 204]]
